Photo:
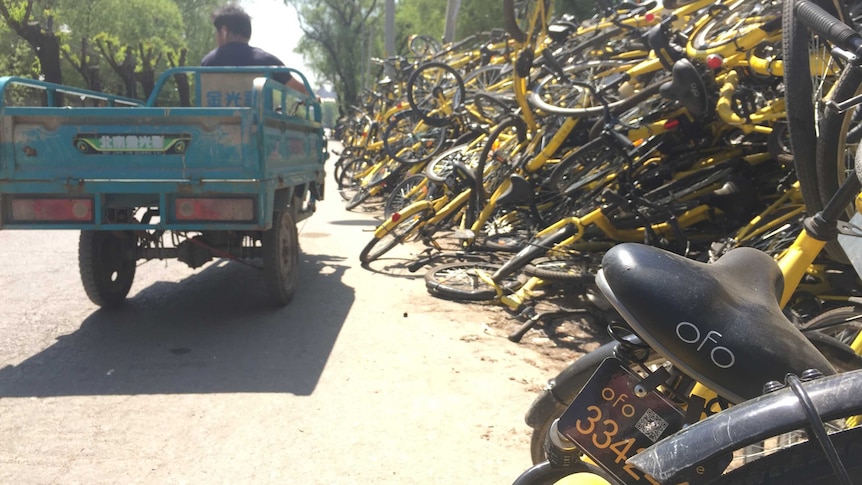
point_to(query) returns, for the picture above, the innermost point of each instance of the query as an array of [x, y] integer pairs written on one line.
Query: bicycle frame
[[598, 219]]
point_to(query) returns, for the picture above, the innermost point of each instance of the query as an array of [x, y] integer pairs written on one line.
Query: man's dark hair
[[234, 18]]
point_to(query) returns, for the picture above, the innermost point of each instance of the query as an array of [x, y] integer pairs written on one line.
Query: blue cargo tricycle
[[217, 163]]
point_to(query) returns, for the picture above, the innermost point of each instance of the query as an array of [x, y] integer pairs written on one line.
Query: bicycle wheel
[[493, 108], [560, 95], [348, 181], [508, 229], [440, 166], [810, 72], [727, 31], [434, 90], [570, 267], [360, 196], [346, 157], [424, 45], [486, 77], [842, 324], [501, 153], [402, 231], [462, 282], [410, 140], [843, 131], [413, 188], [837, 162], [584, 167]]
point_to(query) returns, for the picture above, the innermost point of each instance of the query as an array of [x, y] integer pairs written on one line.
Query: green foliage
[[419, 17], [581, 9], [199, 38], [131, 21], [340, 37], [477, 16], [145, 31], [16, 59]]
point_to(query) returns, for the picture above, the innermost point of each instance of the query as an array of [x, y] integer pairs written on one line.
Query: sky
[[275, 29]]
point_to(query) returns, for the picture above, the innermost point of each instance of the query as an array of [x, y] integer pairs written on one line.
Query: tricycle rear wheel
[[106, 261], [281, 257]]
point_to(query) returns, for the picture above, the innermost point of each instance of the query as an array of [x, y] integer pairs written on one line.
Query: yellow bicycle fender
[[408, 211]]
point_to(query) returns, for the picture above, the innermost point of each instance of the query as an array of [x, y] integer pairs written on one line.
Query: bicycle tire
[[348, 184], [534, 249], [440, 167], [492, 176], [493, 107], [424, 45], [358, 198], [459, 282], [409, 141], [508, 229], [343, 159], [571, 172], [400, 232], [567, 268], [843, 324], [803, 103], [801, 464], [425, 86], [721, 33], [559, 96]]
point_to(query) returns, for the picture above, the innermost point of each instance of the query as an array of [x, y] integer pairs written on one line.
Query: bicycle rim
[[465, 281]]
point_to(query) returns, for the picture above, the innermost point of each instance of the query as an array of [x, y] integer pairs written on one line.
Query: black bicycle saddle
[[720, 323], [688, 88], [465, 173]]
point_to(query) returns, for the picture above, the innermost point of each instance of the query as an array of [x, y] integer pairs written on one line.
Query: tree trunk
[[47, 48], [182, 80]]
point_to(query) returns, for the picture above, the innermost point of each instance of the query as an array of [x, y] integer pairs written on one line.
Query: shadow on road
[[213, 332]]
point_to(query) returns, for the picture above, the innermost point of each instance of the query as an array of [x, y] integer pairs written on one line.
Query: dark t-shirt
[[242, 54]]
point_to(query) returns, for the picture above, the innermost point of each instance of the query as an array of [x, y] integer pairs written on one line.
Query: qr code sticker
[[652, 425]]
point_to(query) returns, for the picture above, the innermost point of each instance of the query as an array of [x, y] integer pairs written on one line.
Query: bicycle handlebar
[[822, 22], [836, 396]]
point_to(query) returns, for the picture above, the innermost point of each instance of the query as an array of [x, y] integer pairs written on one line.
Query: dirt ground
[[197, 380], [572, 319]]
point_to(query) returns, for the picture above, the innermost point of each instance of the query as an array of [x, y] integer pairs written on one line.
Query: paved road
[[363, 379]]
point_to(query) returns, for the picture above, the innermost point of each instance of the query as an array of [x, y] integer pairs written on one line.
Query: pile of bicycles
[[722, 137], [517, 158]]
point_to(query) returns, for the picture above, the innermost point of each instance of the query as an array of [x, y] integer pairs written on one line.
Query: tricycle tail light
[[214, 209], [52, 210]]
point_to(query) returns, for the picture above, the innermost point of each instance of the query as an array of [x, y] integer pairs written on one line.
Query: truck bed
[[123, 155]]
